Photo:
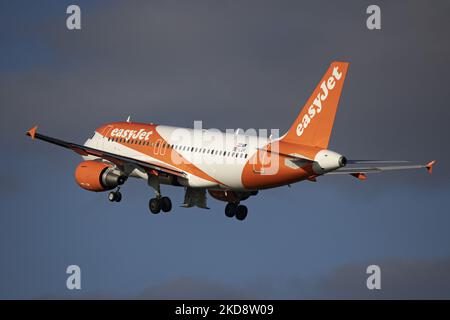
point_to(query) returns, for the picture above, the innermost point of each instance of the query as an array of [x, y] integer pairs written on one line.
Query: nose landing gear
[[115, 196]]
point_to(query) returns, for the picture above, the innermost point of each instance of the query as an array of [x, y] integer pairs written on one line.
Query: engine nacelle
[[231, 196], [327, 160], [97, 176]]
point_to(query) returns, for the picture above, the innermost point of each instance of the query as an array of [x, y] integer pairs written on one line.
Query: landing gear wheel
[[230, 210], [241, 212], [166, 204], [155, 205], [114, 196]]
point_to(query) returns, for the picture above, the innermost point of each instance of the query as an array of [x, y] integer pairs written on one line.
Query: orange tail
[[314, 123]]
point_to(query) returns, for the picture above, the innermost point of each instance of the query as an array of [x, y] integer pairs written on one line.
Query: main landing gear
[[236, 210], [158, 204], [115, 196]]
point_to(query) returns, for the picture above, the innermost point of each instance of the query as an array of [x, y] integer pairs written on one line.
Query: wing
[[118, 160], [358, 168]]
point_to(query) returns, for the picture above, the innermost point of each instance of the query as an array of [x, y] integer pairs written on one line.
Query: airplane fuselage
[[211, 159]]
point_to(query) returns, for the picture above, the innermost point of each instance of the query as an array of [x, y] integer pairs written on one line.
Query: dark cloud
[[400, 279], [192, 288]]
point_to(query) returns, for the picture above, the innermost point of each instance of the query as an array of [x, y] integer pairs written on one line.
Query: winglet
[[360, 176], [429, 166], [32, 132]]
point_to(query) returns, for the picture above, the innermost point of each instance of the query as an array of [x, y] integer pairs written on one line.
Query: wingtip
[[32, 132], [430, 165]]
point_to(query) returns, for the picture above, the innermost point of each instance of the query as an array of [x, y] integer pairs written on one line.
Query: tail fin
[[314, 123]]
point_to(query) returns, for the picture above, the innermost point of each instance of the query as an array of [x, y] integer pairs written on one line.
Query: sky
[[246, 64]]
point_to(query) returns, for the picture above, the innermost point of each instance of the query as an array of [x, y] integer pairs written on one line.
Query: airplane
[[231, 167]]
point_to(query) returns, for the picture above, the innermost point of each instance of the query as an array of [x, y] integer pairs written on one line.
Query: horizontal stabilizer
[[358, 167]]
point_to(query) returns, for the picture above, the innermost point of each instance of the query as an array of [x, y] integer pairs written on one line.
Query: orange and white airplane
[[230, 166]]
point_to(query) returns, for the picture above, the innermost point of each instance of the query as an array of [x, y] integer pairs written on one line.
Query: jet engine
[[98, 176]]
